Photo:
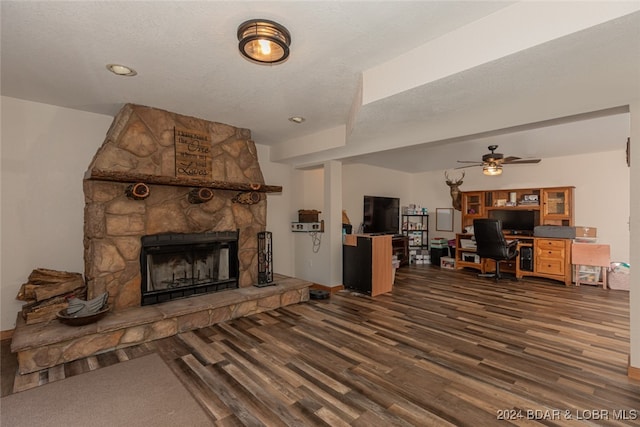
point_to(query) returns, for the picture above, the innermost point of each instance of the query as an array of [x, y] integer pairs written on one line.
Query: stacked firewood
[[46, 293]]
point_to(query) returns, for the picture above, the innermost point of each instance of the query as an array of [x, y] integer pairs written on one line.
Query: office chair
[[490, 243]]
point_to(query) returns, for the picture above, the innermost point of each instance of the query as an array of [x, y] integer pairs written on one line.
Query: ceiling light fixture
[[297, 119], [264, 41], [492, 169], [121, 70]]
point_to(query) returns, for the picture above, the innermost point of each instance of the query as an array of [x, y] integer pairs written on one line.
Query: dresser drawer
[[548, 265], [550, 249], [550, 244]]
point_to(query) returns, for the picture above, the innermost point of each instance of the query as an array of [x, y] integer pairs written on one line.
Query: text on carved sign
[[193, 154]]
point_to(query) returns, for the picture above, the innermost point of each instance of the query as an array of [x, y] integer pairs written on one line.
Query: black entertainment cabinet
[[366, 263]]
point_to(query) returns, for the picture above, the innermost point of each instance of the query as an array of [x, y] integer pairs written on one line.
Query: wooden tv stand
[[551, 258]]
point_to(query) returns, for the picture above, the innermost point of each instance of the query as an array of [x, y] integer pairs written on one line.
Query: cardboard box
[[447, 263], [586, 231]]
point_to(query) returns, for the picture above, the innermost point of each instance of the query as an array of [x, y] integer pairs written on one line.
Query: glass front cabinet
[[557, 206], [472, 207]]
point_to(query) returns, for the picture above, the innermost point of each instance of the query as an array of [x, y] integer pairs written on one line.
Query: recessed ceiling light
[[121, 70], [297, 119]]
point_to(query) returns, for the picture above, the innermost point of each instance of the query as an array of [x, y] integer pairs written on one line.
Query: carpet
[[138, 392]]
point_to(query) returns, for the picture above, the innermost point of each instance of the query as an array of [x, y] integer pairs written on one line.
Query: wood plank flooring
[[444, 348]]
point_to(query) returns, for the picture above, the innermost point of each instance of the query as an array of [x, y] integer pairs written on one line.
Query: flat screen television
[[381, 215], [515, 221]]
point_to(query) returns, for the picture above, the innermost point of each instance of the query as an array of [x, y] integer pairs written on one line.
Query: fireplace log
[[200, 195], [247, 198], [43, 284], [46, 293], [45, 276], [44, 311], [137, 191]]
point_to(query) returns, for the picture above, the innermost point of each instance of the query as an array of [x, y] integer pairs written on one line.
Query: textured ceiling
[[187, 61]]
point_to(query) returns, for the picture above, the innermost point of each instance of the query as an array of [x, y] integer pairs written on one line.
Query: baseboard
[[633, 372], [332, 289], [6, 335]]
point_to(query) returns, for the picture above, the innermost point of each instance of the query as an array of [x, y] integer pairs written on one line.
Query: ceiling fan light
[[263, 41], [492, 169]]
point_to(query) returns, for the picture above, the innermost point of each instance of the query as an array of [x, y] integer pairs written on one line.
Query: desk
[[592, 255], [544, 257]]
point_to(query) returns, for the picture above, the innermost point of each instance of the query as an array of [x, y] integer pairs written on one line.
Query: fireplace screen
[[181, 265]]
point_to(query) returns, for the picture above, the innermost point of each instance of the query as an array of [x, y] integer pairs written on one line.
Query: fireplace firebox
[[181, 265]]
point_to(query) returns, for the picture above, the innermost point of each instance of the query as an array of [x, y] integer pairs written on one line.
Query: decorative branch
[[137, 191], [119, 176], [200, 195], [247, 198]]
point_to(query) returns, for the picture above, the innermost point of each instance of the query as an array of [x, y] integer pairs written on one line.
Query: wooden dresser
[[552, 259]]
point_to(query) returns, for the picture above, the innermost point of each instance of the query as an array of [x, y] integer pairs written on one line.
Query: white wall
[[45, 152], [429, 189], [634, 193], [279, 207], [311, 255]]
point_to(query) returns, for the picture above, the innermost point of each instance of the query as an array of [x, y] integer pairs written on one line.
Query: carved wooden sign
[[193, 154]]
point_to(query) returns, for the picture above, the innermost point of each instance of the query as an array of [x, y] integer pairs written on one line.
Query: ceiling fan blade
[[511, 159], [469, 161], [469, 166], [523, 161]]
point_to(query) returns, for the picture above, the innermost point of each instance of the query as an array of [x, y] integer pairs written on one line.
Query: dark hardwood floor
[[444, 348]]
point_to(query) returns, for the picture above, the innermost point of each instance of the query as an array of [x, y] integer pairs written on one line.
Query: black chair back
[[490, 242]]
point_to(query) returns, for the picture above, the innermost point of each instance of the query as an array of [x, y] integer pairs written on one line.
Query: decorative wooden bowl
[[81, 320]]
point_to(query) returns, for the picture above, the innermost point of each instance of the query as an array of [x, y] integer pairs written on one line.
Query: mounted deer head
[[456, 196]]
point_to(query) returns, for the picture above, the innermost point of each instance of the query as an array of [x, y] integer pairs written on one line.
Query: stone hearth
[[41, 346]]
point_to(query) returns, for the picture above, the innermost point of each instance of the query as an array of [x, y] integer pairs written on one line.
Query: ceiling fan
[[492, 162]]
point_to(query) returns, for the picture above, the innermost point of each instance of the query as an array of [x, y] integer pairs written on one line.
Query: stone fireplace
[[144, 182], [173, 208]]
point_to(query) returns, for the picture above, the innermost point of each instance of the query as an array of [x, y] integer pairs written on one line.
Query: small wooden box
[[308, 215]]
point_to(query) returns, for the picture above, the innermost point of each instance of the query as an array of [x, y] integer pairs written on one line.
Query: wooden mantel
[[131, 177]]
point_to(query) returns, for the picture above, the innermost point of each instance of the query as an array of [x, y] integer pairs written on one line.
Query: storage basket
[[618, 276]]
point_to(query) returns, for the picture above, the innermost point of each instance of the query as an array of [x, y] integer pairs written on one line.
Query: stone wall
[[140, 142]]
